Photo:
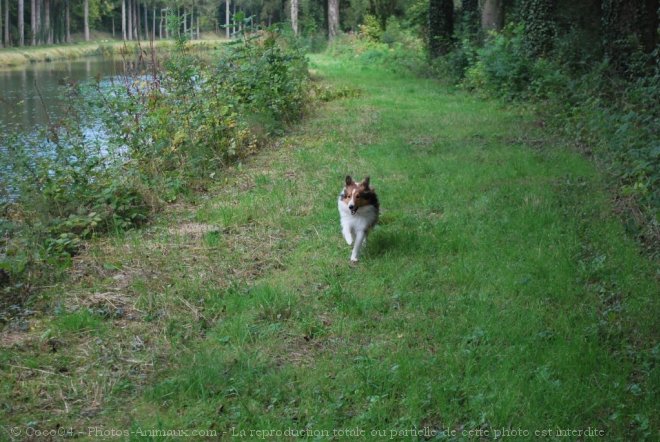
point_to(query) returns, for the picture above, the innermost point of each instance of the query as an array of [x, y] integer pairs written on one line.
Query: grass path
[[498, 293]]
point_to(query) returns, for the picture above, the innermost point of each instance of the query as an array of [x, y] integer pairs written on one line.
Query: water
[[34, 95], [30, 94]]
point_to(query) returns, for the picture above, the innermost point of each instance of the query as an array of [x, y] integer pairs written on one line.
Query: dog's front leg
[[348, 236], [359, 238]]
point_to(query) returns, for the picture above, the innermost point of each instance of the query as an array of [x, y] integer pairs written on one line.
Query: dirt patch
[[112, 304], [195, 230], [14, 338]]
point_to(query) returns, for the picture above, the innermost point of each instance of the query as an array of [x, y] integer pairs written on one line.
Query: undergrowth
[[160, 132]]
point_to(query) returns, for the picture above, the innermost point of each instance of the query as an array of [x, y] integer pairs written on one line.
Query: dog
[[358, 213]]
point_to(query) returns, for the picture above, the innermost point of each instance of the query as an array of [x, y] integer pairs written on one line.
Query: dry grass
[[10, 57]]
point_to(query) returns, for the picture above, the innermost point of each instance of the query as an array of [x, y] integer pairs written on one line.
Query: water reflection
[[29, 94]]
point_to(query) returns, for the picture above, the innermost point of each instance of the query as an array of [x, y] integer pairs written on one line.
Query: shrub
[[370, 29], [502, 67], [162, 133]]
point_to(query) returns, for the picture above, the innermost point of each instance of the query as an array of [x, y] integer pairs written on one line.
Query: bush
[[502, 67], [370, 29], [163, 132], [453, 67]]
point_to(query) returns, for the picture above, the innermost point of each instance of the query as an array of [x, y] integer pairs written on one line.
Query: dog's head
[[358, 194]]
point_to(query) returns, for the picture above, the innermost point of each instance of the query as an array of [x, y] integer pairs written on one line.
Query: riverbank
[[499, 292], [10, 57]]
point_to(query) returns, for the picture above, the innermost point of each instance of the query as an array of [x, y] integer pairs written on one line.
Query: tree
[[540, 30], [129, 24], [123, 19], [294, 16], [86, 18], [21, 23], [6, 22], [227, 18], [68, 21], [626, 23], [383, 9], [47, 27], [441, 26], [492, 15], [33, 23], [333, 18]]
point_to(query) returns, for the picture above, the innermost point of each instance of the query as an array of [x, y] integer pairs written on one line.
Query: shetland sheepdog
[[358, 213]]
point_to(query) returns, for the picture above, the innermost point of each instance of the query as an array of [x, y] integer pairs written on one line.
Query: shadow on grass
[[391, 242]]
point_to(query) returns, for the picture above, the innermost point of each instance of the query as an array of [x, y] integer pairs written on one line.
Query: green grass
[[498, 293]]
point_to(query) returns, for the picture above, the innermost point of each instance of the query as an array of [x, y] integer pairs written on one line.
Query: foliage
[[371, 29], [539, 26], [264, 80], [441, 27], [402, 52], [164, 132], [611, 111]]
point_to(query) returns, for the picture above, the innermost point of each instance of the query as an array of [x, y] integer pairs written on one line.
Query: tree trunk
[[227, 18], [130, 19], [33, 23], [1, 27], [153, 23], [86, 18], [649, 25], [39, 26], [294, 16], [7, 23], [21, 23], [47, 22], [138, 19], [192, 23], [135, 20], [492, 15], [68, 21], [146, 21], [123, 19], [333, 18], [441, 27]]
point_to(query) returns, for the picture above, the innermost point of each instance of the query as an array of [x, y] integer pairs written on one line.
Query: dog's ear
[[349, 180], [365, 182]]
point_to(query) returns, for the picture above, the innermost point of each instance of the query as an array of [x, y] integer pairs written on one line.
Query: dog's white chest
[[355, 226], [364, 218]]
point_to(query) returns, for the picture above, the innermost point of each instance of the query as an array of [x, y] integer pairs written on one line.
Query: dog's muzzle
[[353, 209]]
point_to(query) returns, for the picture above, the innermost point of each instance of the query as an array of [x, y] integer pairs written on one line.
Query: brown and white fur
[[358, 213]]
